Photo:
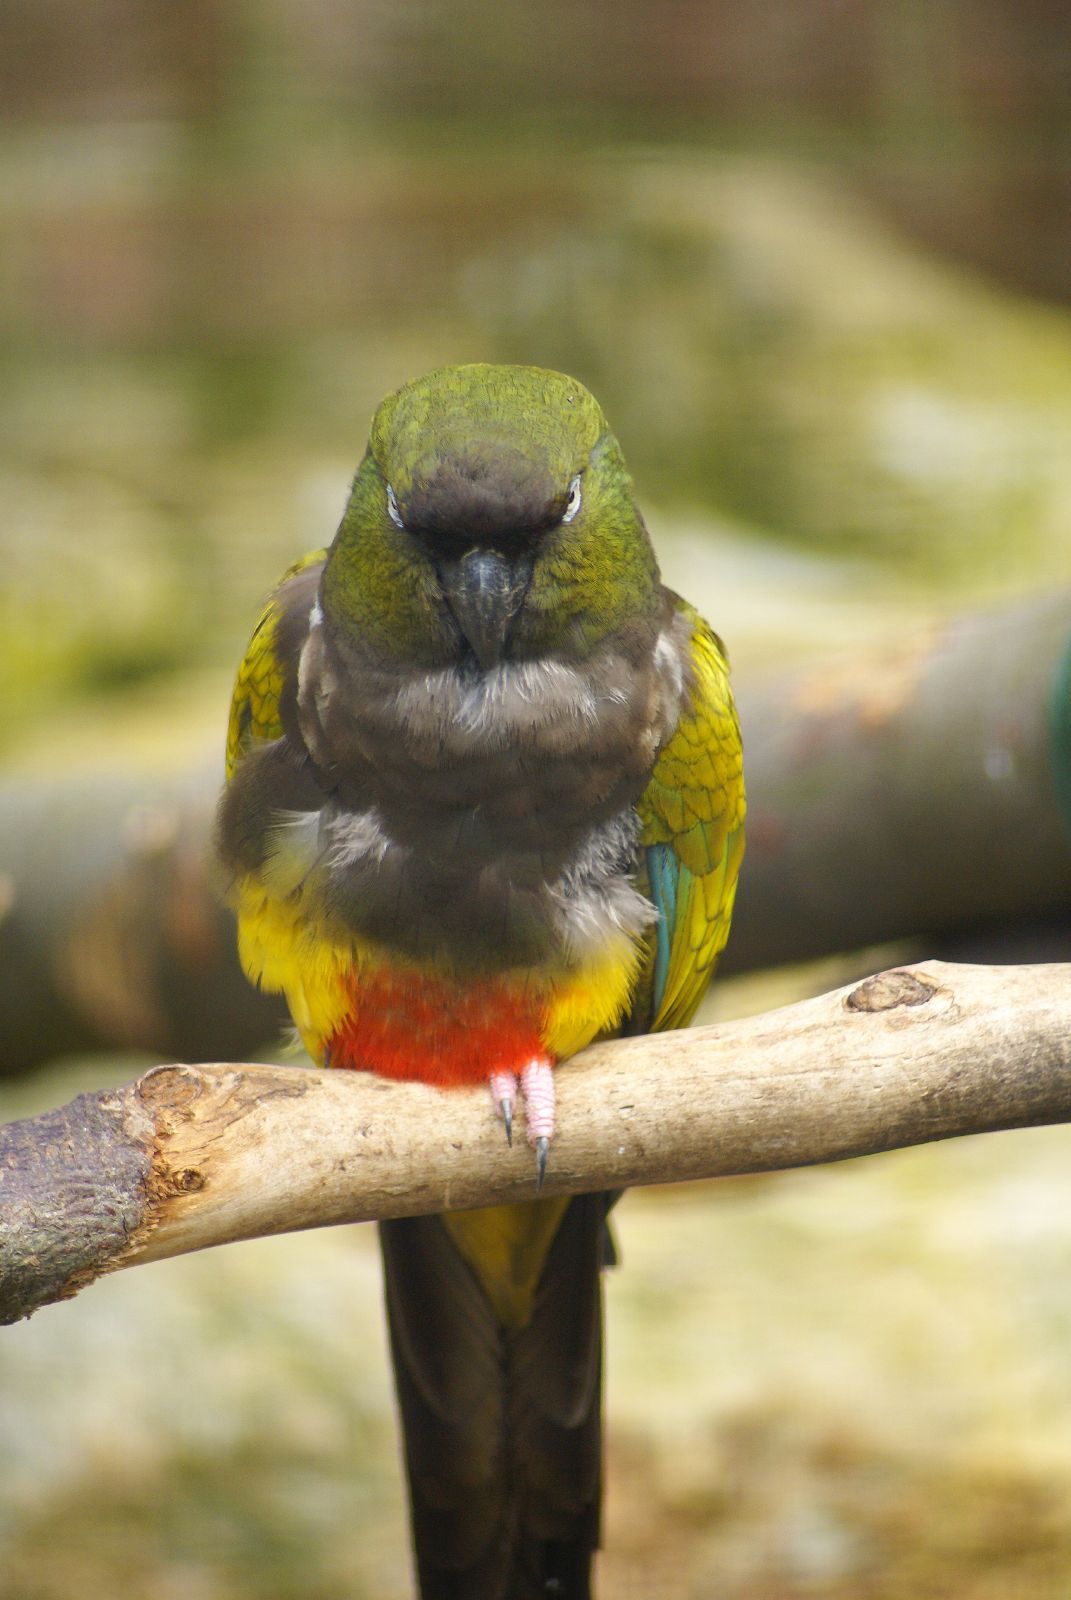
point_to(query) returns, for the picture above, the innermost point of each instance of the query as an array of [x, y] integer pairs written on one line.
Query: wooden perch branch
[[187, 1157]]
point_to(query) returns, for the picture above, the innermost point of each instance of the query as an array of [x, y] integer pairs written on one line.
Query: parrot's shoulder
[[692, 817], [270, 660]]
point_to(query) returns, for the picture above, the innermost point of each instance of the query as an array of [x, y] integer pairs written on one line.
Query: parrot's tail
[[503, 1434]]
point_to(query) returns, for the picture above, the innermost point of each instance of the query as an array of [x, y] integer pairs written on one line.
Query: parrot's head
[[491, 519]]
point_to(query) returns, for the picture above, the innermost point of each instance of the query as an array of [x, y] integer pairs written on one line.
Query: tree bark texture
[[191, 1156]]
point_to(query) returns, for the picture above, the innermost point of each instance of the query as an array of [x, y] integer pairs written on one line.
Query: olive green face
[[492, 518]]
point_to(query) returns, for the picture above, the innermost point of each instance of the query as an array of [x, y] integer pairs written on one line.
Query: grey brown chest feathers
[[483, 817]]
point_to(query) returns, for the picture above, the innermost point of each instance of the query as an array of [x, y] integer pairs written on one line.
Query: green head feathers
[[492, 516]]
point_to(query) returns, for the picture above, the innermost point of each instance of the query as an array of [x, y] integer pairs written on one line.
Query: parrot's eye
[[392, 507], [572, 505]]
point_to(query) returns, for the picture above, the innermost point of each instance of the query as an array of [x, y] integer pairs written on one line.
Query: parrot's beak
[[485, 590]]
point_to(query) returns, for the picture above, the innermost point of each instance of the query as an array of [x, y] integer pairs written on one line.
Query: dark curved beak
[[485, 590]]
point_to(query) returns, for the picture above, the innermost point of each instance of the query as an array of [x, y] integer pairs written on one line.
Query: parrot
[[485, 805]]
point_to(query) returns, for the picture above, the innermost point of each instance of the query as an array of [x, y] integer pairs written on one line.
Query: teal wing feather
[[692, 813]]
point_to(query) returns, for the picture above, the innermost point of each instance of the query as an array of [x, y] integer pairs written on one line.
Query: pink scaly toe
[[503, 1087], [537, 1087]]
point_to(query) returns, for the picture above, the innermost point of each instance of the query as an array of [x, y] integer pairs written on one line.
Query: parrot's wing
[[692, 813], [255, 705]]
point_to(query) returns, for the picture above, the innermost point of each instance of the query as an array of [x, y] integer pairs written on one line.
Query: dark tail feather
[[502, 1426]]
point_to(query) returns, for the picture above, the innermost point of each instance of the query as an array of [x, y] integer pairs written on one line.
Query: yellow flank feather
[[285, 952], [593, 1001]]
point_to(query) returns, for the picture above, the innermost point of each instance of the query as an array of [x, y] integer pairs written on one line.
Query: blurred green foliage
[[772, 357], [228, 230]]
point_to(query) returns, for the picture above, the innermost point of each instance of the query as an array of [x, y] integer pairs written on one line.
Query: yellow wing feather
[[254, 716], [692, 813]]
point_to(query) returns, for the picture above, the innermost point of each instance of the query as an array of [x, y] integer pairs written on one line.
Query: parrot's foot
[[537, 1087], [504, 1095]]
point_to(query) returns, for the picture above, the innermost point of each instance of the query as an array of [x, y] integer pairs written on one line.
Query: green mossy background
[[817, 287]]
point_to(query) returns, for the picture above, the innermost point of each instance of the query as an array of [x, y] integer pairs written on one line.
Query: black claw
[[507, 1118], [542, 1150]]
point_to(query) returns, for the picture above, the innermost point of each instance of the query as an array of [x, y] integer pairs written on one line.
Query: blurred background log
[[112, 933], [983, 81], [920, 794]]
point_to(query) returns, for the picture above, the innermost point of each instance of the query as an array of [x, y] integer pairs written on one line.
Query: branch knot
[[887, 990]]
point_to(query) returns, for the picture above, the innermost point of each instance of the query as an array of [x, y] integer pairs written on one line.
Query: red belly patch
[[409, 1024]]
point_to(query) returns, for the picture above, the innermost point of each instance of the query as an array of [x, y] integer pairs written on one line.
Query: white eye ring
[[572, 505], [392, 507]]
